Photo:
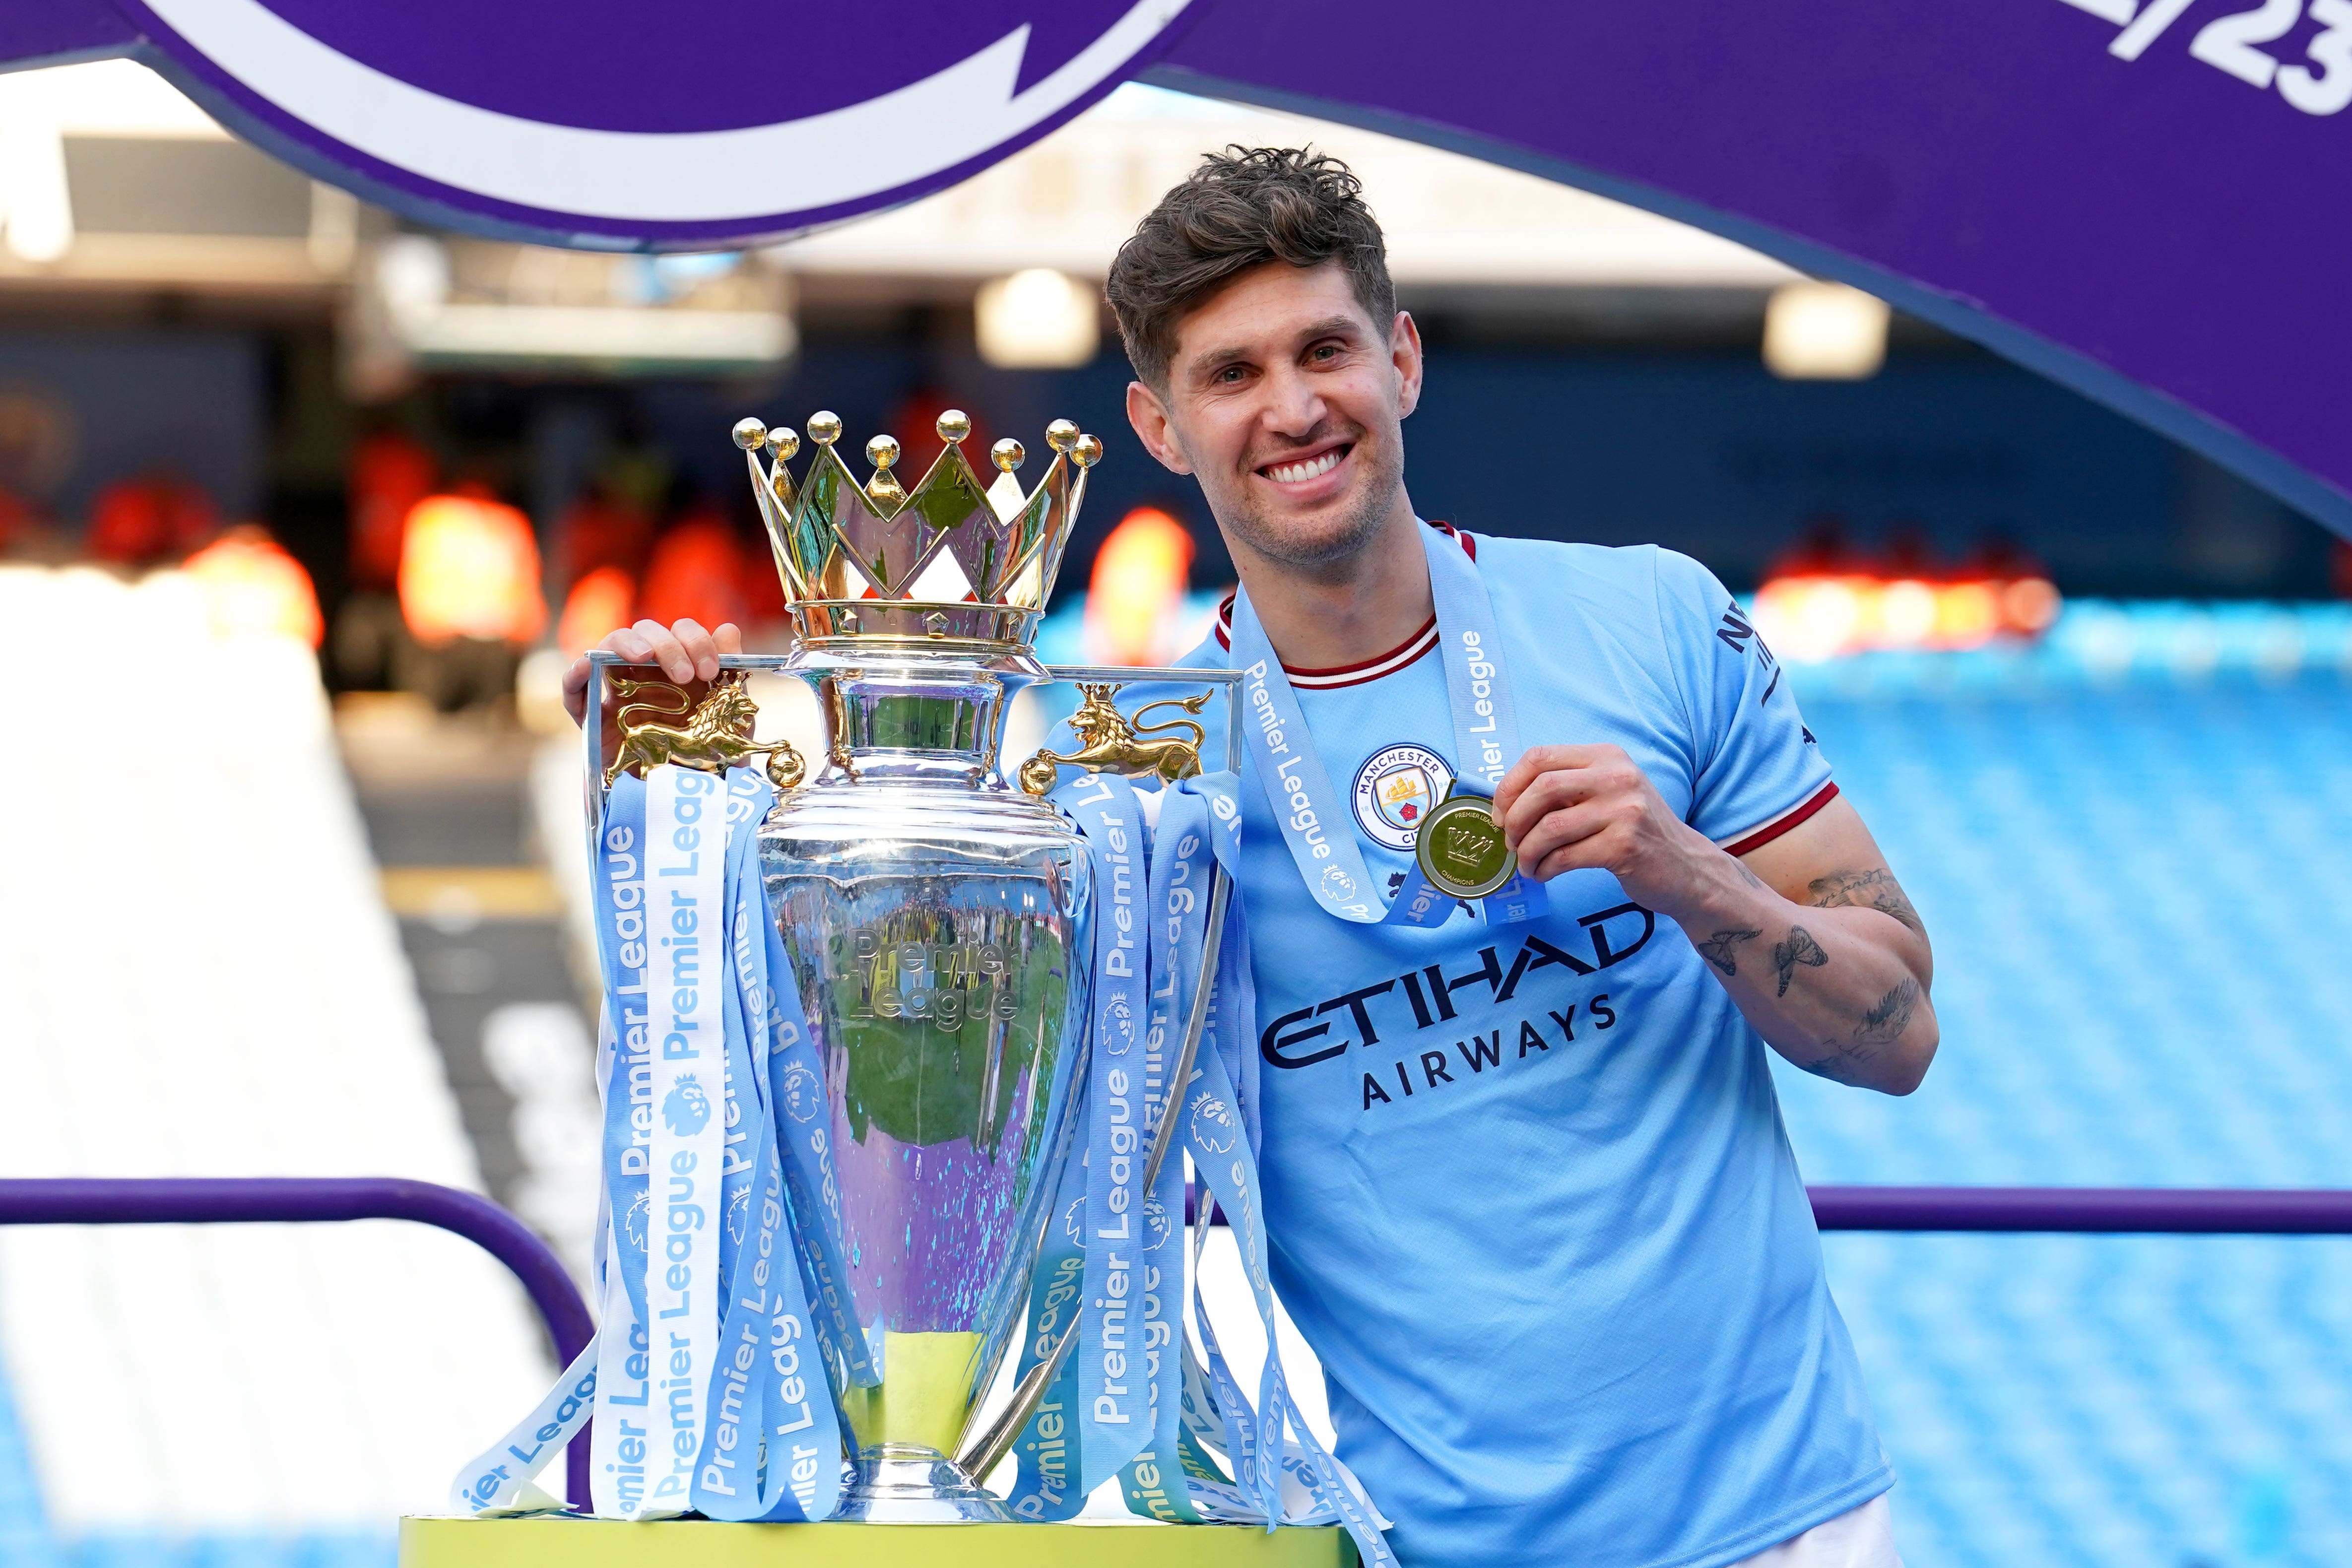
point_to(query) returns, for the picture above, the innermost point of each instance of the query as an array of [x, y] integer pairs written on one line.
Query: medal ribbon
[[1486, 744]]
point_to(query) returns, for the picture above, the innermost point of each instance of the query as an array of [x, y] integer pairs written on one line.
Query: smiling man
[[1528, 1195], [1526, 1188]]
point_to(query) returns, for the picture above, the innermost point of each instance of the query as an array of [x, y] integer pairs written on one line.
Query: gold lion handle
[[716, 733], [1109, 742]]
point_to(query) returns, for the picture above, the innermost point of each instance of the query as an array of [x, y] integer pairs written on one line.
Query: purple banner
[[2163, 231], [2139, 199]]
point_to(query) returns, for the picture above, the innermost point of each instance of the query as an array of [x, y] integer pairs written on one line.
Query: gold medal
[[1461, 848]]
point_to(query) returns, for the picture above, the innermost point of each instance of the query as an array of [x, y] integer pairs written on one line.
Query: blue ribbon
[[620, 942], [773, 1448], [770, 1443], [1114, 1398], [797, 1091], [1314, 818], [1182, 858], [1049, 1483], [1222, 1141], [1179, 1415]]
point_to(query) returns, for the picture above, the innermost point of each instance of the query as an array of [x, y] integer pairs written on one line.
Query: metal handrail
[[2089, 1211], [245, 1200], [2160, 1211], [2083, 1211]]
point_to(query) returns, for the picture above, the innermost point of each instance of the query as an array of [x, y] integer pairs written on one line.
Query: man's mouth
[[1305, 469]]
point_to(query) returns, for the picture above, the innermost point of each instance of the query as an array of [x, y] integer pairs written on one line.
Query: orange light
[[470, 568], [1818, 617], [2030, 605], [1906, 613], [252, 588], [697, 573], [1967, 615], [598, 603], [1812, 618], [1135, 602]]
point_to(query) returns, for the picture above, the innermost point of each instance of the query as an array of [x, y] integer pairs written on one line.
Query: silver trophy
[[937, 914]]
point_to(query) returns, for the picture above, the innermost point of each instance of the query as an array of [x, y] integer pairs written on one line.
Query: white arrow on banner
[[698, 176]]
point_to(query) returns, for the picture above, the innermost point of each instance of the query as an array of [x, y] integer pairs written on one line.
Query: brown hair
[[1240, 208]]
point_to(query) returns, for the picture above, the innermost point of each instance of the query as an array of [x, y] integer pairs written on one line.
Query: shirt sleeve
[[1755, 770]]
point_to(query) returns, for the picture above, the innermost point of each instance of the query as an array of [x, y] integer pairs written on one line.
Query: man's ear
[[1150, 417], [1405, 353]]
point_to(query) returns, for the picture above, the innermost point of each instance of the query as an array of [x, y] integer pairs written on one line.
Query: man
[[1527, 1192]]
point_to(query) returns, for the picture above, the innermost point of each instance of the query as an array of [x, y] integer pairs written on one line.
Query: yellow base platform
[[608, 1544]]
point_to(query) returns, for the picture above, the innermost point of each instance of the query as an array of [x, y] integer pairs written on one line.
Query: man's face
[[1286, 401]]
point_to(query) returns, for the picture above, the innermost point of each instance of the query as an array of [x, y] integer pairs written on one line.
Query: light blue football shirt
[[1527, 1192]]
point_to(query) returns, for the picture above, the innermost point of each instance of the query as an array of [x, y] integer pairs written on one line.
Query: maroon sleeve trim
[[1771, 830]]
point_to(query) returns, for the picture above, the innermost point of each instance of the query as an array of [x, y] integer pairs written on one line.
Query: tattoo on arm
[[1717, 949], [1844, 1064], [1800, 948], [1831, 1066], [1885, 1023], [1873, 889]]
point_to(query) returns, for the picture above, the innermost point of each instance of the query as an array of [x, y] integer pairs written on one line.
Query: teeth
[[1298, 473]]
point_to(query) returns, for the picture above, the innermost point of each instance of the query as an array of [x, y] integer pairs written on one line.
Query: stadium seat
[[198, 977], [2135, 852]]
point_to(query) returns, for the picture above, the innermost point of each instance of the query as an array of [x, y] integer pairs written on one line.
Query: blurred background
[[303, 509]]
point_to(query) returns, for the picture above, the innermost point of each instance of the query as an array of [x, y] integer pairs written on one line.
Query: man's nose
[[1294, 405]]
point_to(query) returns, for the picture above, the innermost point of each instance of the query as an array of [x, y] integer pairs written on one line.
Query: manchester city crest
[[1396, 789]]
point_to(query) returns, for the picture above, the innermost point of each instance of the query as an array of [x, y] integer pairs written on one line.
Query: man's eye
[[1230, 374]]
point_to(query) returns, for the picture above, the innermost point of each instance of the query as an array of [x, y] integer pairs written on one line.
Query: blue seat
[[2140, 894]]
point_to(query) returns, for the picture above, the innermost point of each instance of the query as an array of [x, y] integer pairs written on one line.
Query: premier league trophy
[[936, 919]]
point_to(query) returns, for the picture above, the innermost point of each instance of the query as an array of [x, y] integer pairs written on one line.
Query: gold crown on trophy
[[950, 558]]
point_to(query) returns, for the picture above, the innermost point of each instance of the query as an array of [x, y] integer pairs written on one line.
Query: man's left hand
[[1567, 808]]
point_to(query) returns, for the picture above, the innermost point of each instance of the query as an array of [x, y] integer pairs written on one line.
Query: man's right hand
[[684, 650]]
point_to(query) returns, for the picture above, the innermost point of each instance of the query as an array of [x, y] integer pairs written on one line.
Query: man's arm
[[1811, 934]]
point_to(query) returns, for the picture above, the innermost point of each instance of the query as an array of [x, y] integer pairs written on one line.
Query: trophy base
[[905, 1483]]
